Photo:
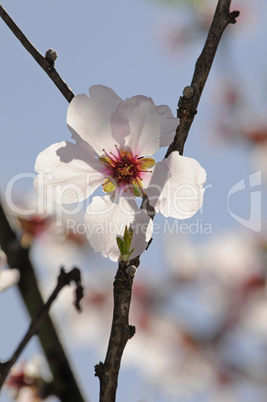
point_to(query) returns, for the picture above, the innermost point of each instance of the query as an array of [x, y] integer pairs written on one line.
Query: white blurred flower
[[231, 257], [27, 394], [27, 381], [167, 363], [8, 277], [245, 345]]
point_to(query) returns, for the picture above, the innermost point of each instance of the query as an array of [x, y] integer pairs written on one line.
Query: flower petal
[[90, 118], [106, 218], [146, 127], [68, 173], [8, 278], [176, 187], [3, 259]]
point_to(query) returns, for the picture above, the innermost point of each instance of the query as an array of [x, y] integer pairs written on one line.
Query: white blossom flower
[[8, 277], [27, 380], [115, 140]]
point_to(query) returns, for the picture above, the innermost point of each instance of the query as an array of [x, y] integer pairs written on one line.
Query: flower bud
[[131, 270], [51, 55]]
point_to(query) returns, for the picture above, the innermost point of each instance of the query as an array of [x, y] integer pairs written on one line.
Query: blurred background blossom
[[8, 277]]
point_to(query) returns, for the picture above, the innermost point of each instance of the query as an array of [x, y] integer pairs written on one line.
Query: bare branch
[[45, 62], [121, 332], [191, 95], [64, 279]]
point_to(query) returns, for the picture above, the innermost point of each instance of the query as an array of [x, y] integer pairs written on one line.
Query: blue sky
[[118, 44]]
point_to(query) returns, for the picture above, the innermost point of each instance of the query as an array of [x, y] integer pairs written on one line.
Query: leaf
[[120, 244]]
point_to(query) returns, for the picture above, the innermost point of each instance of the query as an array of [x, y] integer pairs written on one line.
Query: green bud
[[124, 244]]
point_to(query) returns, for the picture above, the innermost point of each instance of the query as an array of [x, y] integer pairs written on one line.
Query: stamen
[[139, 185], [124, 171], [111, 153], [130, 188], [108, 181], [116, 146], [108, 155]]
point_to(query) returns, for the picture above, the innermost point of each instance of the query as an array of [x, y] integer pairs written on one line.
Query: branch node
[[135, 261], [149, 209], [232, 16], [99, 369], [131, 331], [186, 105], [130, 271], [51, 56], [188, 92]]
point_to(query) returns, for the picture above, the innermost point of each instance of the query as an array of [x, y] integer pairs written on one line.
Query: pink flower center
[[125, 171]]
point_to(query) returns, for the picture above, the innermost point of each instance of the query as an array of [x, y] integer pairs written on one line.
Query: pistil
[[125, 171]]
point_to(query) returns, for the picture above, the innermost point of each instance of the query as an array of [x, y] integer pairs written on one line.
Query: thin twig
[[64, 279], [191, 95], [44, 62], [65, 385]]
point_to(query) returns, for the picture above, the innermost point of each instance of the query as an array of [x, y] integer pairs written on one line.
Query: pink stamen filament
[[108, 155], [130, 188], [114, 156], [139, 185], [108, 181], [123, 170], [116, 146]]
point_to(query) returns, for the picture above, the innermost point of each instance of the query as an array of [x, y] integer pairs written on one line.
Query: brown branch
[[187, 106], [45, 62], [65, 385], [121, 332], [64, 279]]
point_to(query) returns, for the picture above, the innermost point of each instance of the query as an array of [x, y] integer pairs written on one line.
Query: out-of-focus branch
[[64, 279], [121, 332], [187, 106], [45, 62], [65, 385]]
